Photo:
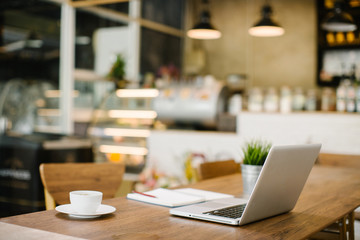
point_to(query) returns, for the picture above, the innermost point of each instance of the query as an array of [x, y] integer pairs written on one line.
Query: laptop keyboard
[[229, 212]]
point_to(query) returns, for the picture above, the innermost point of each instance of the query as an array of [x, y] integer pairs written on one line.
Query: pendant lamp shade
[[266, 27], [204, 29], [338, 20]]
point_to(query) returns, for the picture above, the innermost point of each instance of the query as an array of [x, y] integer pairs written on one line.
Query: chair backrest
[[61, 178], [209, 170], [341, 160]]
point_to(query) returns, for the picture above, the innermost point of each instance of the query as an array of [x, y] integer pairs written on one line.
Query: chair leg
[[346, 227], [342, 228], [351, 228]]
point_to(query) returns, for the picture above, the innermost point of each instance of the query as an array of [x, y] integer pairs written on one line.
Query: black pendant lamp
[[266, 27], [204, 29], [338, 20]]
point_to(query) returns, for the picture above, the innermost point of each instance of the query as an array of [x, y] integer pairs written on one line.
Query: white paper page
[[167, 197], [208, 195]]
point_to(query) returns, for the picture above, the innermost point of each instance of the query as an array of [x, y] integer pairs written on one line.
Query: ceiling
[[19, 18]]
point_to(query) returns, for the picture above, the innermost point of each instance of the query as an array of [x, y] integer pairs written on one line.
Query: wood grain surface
[[61, 178], [329, 194], [209, 170]]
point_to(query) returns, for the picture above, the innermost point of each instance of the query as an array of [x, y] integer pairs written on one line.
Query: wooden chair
[[343, 227], [61, 178], [209, 170], [341, 160]]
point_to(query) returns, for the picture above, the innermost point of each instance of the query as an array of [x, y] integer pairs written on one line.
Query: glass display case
[[121, 125]]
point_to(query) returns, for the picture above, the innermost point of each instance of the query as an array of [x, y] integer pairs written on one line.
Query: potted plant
[[117, 72], [255, 153]]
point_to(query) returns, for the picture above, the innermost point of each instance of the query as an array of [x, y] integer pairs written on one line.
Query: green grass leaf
[[255, 152]]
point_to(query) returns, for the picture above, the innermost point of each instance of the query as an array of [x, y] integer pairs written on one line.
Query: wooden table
[[329, 194]]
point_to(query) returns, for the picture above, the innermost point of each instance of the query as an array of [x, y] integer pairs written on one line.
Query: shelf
[[121, 125], [336, 49], [87, 75], [89, 3]]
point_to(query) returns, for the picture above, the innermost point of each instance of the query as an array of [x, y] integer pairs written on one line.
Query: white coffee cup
[[85, 201]]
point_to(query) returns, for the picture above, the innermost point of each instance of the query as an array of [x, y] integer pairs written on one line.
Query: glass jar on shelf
[[311, 100], [328, 99], [350, 98], [255, 102], [358, 98], [298, 102], [271, 100], [285, 100], [341, 97]]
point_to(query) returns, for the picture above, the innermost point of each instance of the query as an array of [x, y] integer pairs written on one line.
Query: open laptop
[[276, 191]]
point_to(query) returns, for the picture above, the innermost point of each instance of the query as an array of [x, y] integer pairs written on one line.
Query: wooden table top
[[329, 194]]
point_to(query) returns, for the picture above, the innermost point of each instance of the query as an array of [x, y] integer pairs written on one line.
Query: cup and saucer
[[85, 204]]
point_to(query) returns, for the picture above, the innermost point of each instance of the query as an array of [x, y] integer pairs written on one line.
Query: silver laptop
[[276, 191]]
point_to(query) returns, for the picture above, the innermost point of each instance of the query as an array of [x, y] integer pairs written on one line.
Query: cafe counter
[[338, 132]]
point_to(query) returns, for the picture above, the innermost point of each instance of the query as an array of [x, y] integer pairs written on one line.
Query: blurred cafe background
[[128, 82]]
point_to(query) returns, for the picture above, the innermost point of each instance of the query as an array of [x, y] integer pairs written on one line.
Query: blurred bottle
[[341, 97], [298, 102], [285, 100], [351, 91], [358, 98], [235, 104], [328, 99], [356, 81], [311, 100], [271, 100], [350, 97], [255, 103]]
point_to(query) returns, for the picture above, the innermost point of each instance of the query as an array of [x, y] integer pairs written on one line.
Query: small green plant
[[255, 152], [117, 70]]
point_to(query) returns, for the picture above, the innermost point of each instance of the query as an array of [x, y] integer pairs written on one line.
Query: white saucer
[[102, 210]]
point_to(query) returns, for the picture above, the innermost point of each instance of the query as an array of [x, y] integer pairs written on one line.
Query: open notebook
[[176, 197]]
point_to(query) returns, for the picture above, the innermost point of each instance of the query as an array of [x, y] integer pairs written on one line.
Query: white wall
[[286, 60], [338, 132]]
